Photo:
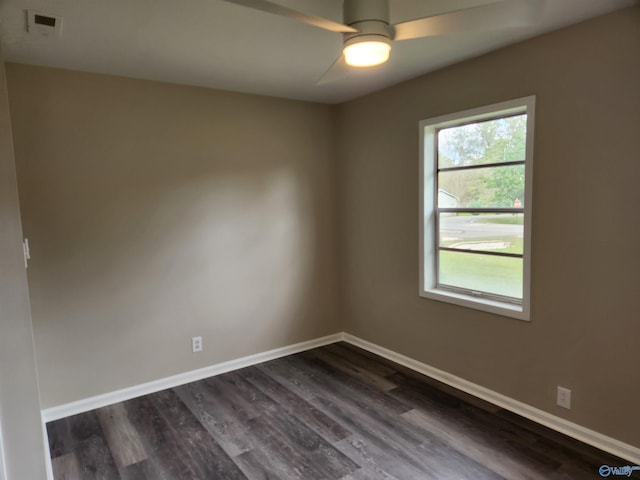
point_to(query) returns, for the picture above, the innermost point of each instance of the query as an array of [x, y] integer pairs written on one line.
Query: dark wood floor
[[335, 412]]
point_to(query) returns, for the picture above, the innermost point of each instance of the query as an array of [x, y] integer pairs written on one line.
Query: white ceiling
[[211, 43]]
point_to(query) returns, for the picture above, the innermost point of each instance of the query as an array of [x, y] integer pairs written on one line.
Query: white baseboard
[[590, 437], [91, 403]]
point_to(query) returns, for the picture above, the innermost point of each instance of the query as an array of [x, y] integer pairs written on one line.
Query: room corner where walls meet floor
[[546, 419]]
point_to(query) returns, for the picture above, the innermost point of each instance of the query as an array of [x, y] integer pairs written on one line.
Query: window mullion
[[480, 210], [481, 252], [480, 165]]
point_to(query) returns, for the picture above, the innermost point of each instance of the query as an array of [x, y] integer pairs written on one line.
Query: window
[[475, 207]]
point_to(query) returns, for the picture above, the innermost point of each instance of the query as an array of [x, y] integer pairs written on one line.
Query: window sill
[[505, 309]]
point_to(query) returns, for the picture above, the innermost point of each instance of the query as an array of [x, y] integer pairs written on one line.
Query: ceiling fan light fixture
[[366, 51]]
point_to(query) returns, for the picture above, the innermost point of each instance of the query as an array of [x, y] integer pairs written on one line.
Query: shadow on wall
[[157, 213], [220, 248]]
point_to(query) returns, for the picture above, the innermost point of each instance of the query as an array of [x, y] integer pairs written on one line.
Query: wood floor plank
[[249, 400], [207, 459], [260, 465], [161, 444], [367, 474], [343, 380], [452, 420], [296, 406], [65, 434], [149, 469], [371, 364], [372, 357], [81, 436], [407, 377], [123, 439], [360, 410], [218, 415], [577, 462], [333, 413], [65, 467], [95, 461], [523, 447], [306, 454], [420, 449], [299, 383], [59, 440], [313, 450], [546, 440], [386, 431], [504, 461], [426, 396], [349, 368], [134, 471], [374, 460], [328, 381], [381, 433]]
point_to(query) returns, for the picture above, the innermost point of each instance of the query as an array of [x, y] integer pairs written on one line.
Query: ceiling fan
[[368, 34]]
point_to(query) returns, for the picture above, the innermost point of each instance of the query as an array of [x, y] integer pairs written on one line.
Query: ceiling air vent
[[43, 25]]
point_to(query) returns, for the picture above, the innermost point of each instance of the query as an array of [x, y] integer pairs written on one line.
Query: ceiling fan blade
[[335, 72], [270, 7], [501, 14]]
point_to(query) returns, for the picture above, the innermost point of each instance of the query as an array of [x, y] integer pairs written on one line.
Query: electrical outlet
[[564, 397], [196, 344]]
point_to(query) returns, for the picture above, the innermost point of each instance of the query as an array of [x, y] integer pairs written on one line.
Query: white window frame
[[428, 198]]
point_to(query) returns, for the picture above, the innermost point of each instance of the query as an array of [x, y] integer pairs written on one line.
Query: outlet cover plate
[[564, 397]]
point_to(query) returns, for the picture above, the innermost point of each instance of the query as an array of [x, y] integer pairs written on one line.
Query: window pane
[[482, 273], [495, 232], [482, 187], [492, 141]]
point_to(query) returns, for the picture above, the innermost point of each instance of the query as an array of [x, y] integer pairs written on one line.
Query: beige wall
[[157, 213], [584, 331], [20, 426]]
